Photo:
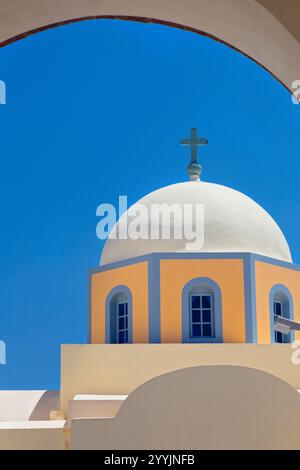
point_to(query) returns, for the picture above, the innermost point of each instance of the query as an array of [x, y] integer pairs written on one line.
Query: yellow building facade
[[159, 288]]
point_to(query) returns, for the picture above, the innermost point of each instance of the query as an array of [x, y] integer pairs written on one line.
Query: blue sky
[[95, 110]]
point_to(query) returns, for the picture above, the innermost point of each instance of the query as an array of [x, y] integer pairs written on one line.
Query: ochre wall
[[227, 273], [174, 274], [267, 276], [135, 277]]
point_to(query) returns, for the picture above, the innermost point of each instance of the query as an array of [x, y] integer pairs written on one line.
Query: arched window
[[281, 304], [119, 316], [201, 312]]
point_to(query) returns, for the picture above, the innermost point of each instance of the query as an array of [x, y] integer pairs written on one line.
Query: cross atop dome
[[194, 168]]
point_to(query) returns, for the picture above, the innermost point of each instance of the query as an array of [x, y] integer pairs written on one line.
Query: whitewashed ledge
[[95, 406]]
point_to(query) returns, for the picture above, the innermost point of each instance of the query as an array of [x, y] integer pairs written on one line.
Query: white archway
[[264, 30]]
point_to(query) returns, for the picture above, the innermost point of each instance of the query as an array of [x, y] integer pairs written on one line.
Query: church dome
[[232, 223]]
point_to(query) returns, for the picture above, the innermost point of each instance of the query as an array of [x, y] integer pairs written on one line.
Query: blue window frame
[[278, 310], [122, 322], [281, 304], [201, 316], [118, 317], [202, 311]]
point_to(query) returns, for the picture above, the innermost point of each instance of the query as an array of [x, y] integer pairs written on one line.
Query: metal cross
[[194, 141]]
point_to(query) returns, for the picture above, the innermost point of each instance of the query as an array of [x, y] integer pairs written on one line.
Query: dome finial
[[194, 168]]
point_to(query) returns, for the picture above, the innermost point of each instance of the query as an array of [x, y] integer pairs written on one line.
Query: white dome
[[233, 223]]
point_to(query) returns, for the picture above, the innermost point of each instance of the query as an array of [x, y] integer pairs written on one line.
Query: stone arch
[[263, 30]]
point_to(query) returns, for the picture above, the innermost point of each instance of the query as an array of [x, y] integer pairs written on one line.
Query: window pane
[[201, 315], [278, 337], [123, 337], [121, 309], [206, 330], [195, 301], [196, 330], [206, 316], [277, 308], [196, 316], [206, 301], [122, 323]]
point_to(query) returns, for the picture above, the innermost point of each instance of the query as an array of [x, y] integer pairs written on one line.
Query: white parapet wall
[[27, 405], [107, 369], [95, 406], [33, 435]]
